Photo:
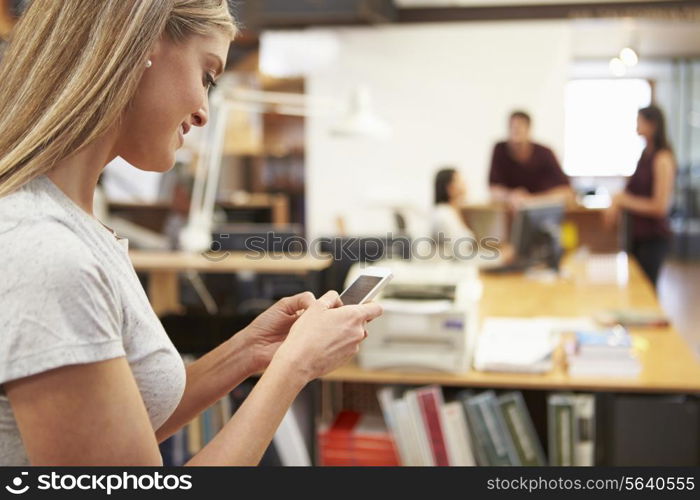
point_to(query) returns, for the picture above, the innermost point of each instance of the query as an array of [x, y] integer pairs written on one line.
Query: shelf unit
[[670, 368]]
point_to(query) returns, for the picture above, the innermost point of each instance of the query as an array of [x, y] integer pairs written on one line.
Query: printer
[[430, 318]]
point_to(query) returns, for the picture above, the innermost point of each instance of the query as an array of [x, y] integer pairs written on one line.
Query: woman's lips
[[181, 134], [182, 131]]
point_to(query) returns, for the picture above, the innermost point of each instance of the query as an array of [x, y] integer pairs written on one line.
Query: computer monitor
[[536, 234], [258, 237]]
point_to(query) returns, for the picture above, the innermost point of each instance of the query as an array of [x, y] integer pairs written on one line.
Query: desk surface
[[668, 363], [573, 208], [227, 262]]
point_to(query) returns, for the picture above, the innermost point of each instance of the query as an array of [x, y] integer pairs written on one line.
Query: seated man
[[523, 170]]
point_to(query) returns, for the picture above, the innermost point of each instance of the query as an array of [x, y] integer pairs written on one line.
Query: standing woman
[[647, 197], [88, 376]]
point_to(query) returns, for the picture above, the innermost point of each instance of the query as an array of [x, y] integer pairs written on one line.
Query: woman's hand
[[267, 332], [326, 336]]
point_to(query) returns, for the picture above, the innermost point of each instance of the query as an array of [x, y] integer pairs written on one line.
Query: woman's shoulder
[[32, 223], [443, 210], [446, 217], [39, 246], [26, 205], [664, 155]]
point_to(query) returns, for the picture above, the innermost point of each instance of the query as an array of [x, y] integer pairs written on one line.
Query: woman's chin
[[161, 164]]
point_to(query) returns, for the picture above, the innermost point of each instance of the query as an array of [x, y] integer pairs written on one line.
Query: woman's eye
[[209, 81]]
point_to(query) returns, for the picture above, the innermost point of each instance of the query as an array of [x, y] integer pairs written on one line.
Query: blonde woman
[[88, 375]]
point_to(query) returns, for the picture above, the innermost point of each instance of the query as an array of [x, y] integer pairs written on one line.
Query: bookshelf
[[670, 370]]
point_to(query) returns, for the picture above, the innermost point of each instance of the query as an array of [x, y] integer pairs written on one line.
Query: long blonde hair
[[72, 67]]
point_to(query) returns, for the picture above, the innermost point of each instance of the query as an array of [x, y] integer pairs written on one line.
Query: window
[[600, 128]]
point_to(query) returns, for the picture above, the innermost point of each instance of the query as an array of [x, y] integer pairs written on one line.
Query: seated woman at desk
[[88, 374], [454, 238], [647, 196]]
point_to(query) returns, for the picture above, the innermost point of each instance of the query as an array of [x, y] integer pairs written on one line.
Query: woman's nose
[[200, 118]]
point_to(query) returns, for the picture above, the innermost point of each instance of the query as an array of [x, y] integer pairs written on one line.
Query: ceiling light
[[629, 57], [361, 121], [617, 67]]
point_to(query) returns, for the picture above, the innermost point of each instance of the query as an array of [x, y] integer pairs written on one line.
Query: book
[[179, 454], [457, 438], [207, 427], [386, 396], [289, 441], [476, 434], [624, 368], [420, 430], [225, 410], [522, 430], [632, 318], [430, 401], [561, 428], [174, 449], [167, 452], [484, 416], [194, 435], [217, 418], [272, 457], [406, 433], [607, 353], [584, 441], [612, 342], [357, 439]]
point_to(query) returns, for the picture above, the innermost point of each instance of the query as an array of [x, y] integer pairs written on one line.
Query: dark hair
[[522, 115], [655, 116], [442, 180]]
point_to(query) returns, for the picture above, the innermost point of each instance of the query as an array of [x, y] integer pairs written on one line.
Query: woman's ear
[[157, 49]]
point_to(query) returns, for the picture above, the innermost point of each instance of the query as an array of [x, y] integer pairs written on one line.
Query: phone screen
[[359, 289]]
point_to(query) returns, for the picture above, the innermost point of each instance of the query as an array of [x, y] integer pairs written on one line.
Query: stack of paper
[[521, 345]]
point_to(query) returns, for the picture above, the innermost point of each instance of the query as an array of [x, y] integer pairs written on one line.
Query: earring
[[149, 63]]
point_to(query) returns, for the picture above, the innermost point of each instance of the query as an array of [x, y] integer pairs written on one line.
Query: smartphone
[[366, 286]]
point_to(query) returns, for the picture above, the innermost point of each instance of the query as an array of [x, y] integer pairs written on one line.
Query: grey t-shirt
[[69, 295]]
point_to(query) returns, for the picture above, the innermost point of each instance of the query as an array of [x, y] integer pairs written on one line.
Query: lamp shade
[[360, 120]]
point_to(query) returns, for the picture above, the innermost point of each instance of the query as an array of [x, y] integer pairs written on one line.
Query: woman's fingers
[[300, 301], [328, 300], [369, 311]]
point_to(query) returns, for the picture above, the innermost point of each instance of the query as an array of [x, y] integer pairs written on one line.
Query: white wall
[[446, 90]]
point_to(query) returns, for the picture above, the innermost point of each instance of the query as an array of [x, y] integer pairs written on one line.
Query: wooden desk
[[163, 269], [494, 220], [668, 363]]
